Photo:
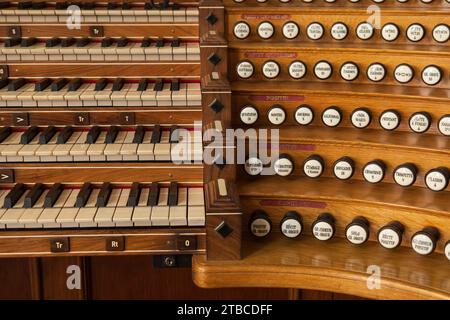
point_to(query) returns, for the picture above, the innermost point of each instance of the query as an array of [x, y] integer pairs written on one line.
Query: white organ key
[[49, 215], [145, 149], [68, 213], [124, 53], [151, 52], [154, 15], [3, 194], [137, 52], [149, 97], [96, 150], [179, 53], [30, 148], [104, 216], [164, 97], [119, 97], [192, 52], [11, 217], [56, 98], [104, 97], [165, 52], [162, 149], [191, 15], [122, 214], [160, 213], [73, 98], [194, 96], [25, 96], [142, 213], [167, 15], [41, 97], [112, 150], [178, 213], [133, 96], [85, 216], [31, 215], [46, 150], [196, 207], [128, 150], [79, 149], [62, 151], [179, 98], [88, 96]]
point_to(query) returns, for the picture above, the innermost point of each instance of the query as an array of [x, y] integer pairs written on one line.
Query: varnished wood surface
[[189, 70], [135, 30], [93, 242], [121, 172], [415, 208], [185, 116], [332, 266]]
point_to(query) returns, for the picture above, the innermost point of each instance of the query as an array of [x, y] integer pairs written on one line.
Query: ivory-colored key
[[95, 151], [160, 213], [179, 98], [194, 95], [119, 97], [149, 97], [79, 149], [154, 15], [104, 97], [133, 96], [142, 213], [62, 151], [30, 217], [123, 214], [178, 213], [164, 97], [104, 216], [11, 217], [196, 207], [73, 98], [128, 151], [162, 149], [191, 15], [112, 150], [30, 148], [145, 149], [192, 52], [49, 215], [165, 52], [66, 217], [88, 96], [85, 216], [3, 194], [179, 53]]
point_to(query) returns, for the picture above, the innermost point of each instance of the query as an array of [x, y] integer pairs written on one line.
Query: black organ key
[[149, 5], [159, 85], [83, 195], [74, 84], [126, 6], [28, 42], [12, 42], [122, 42], [64, 135], [174, 134], [29, 135], [3, 83], [175, 43], [107, 42], [33, 195], [100, 84], [139, 134], [24, 5], [135, 192], [153, 195], [175, 85], [146, 42], [111, 134], [87, 5], [118, 84], [172, 199], [93, 134], [4, 133], [47, 135], [156, 134], [53, 195], [112, 6], [82, 42], [58, 84], [16, 84], [41, 85], [38, 5], [67, 42], [159, 43], [61, 5], [52, 42], [4, 5], [14, 195], [103, 195], [143, 84]]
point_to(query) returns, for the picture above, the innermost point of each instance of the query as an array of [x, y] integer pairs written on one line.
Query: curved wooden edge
[[335, 267]]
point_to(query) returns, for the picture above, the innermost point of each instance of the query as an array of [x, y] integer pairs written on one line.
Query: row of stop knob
[[357, 232]]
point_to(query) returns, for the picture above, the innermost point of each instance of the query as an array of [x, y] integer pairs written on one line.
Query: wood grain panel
[[20, 279], [129, 70], [333, 266]]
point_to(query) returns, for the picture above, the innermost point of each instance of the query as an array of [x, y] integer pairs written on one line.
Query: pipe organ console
[[297, 144]]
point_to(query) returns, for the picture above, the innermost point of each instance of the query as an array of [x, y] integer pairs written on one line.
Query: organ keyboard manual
[[225, 149]]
